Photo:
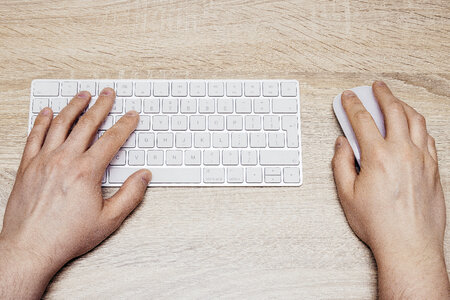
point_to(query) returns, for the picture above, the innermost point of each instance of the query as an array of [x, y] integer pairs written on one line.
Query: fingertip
[[107, 92], [84, 95], [378, 83], [46, 111], [146, 176]]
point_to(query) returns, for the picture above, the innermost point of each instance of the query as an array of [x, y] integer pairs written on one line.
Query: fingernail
[[132, 113], [380, 83], [106, 92], [146, 176], [83, 95], [338, 143], [348, 93], [45, 111]]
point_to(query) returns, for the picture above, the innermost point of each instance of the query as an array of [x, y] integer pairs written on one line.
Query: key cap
[[39, 104], [160, 123], [33, 118], [57, 104], [261, 106], [230, 157], [197, 123], [276, 139], [69, 88], [164, 140], [220, 139], [170, 106], [272, 175], [206, 106], [271, 122], [257, 140], [174, 157], [197, 89], [89, 86], [136, 157], [46, 88], [192, 157], [284, 105], [142, 89], [215, 89], [291, 175], [243, 105], [216, 123], [130, 142], [234, 89], [252, 122], [133, 104], [249, 157], [234, 122], [225, 106], [161, 89], [290, 124], [274, 157], [117, 106], [107, 123], [211, 157], [119, 158], [104, 84], [155, 158], [253, 175], [272, 179], [239, 140], [202, 140], [179, 123], [124, 88], [151, 106], [183, 140], [235, 175], [144, 123], [213, 175], [252, 89], [270, 88], [288, 89], [179, 89], [146, 140], [188, 106], [162, 175]]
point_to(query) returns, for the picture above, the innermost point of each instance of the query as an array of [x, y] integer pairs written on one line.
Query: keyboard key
[[284, 105], [124, 88], [155, 158], [202, 140], [57, 104], [151, 106], [288, 89], [257, 140], [179, 123], [89, 86], [216, 123], [206, 106], [271, 123], [252, 89], [159, 175], [104, 84], [192, 157], [46, 88], [220, 139], [234, 122], [183, 140], [261, 106], [117, 106], [107, 123], [130, 142], [230, 157], [225, 106], [136, 157], [239, 140], [69, 88], [253, 175], [174, 157], [249, 157], [234, 89], [197, 123], [119, 159], [197, 89], [164, 140], [146, 140], [276, 139], [160, 123], [243, 105], [291, 175], [170, 106], [188, 106], [274, 157], [161, 89], [235, 175], [214, 175], [211, 157], [252, 122], [142, 89], [133, 104], [144, 123], [179, 89], [290, 124], [270, 89], [215, 89], [39, 104]]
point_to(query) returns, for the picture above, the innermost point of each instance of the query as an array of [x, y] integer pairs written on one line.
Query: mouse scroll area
[[365, 94]]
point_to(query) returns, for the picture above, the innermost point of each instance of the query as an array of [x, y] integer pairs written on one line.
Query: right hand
[[395, 204]]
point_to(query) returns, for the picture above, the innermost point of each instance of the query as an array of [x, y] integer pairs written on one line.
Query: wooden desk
[[231, 242]]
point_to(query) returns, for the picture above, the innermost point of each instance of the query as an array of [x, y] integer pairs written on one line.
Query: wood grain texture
[[231, 242]]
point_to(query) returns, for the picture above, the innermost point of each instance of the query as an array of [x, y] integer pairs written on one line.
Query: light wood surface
[[231, 242]]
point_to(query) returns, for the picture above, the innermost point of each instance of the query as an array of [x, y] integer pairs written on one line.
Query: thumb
[[125, 200], [344, 168]]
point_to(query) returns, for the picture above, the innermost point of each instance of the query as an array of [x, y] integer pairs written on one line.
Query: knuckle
[[87, 121], [60, 120], [395, 107], [362, 115], [420, 119]]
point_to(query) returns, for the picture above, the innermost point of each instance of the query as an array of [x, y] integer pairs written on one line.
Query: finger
[[344, 169], [366, 131], [119, 206], [37, 135], [395, 120], [62, 123], [417, 126], [431, 145], [82, 134], [110, 142]]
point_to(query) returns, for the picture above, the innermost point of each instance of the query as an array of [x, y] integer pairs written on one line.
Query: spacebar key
[[279, 157], [159, 175]]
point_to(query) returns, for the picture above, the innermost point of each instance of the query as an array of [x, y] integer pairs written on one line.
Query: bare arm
[[56, 211], [395, 204]]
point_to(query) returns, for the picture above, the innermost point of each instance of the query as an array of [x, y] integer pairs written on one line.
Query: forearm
[[22, 276], [412, 277]]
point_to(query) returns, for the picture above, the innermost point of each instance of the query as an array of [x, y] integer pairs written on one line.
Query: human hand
[[56, 211], [395, 204]]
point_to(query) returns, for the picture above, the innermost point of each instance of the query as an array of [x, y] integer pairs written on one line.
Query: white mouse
[[365, 94]]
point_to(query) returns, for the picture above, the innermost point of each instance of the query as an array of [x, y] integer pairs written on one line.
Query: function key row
[[69, 88]]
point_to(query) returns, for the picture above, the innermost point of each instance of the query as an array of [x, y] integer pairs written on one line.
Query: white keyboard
[[196, 132]]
